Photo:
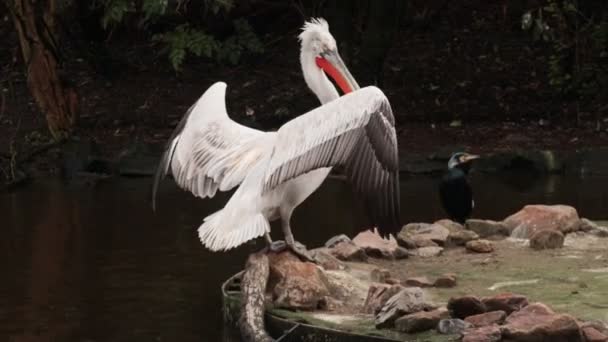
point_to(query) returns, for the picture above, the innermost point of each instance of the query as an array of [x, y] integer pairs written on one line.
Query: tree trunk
[[35, 24], [253, 291]]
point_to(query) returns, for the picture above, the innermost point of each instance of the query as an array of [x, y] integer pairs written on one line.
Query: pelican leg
[[296, 247]]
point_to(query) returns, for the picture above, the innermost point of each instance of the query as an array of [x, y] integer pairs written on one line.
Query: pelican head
[[319, 51]]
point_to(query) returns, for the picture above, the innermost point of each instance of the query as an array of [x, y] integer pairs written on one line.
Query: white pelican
[[278, 170]]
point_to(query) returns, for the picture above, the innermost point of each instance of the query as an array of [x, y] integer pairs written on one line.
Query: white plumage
[[278, 170]]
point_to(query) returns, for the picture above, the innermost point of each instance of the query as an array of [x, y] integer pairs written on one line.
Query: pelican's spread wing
[[208, 151], [356, 131]]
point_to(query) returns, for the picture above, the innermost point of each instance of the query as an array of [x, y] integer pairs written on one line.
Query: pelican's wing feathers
[[208, 151], [356, 131]]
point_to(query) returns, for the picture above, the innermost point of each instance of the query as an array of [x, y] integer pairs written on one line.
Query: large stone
[[547, 239], [295, 284], [465, 306], [420, 321], [537, 322], [423, 234], [445, 281], [450, 225], [377, 295], [380, 275], [407, 301], [487, 318], [593, 335], [348, 251], [325, 259], [490, 333], [418, 282], [480, 246], [486, 228], [452, 326], [376, 246], [336, 240], [507, 302], [533, 218], [461, 237], [428, 252]]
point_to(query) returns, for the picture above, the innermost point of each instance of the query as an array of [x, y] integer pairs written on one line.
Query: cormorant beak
[[331, 63], [468, 157]]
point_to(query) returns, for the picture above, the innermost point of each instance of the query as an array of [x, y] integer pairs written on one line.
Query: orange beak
[[332, 65]]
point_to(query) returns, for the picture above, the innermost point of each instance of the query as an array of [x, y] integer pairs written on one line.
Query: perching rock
[[418, 282], [452, 326], [533, 218], [295, 284], [377, 295], [461, 237], [377, 247], [445, 281], [486, 228], [428, 252], [507, 302], [480, 246], [487, 318], [420, 321], [465, 306], [537, 322], [423, 234], [407, 301], [348, 251], [547, 239], [490, 333], [587, 225]]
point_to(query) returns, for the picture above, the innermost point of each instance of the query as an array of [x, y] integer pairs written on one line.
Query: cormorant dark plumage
[[454, 189]]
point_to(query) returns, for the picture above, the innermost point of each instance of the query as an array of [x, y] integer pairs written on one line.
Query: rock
[[533, 218], [326, 260], [600, 232], [428, 252], [587, 225], [450, 225], [406, 242], [480, 246], [547, 239], [507, 302], [537, 322], [486, 228], [452, 326], [420, 241], [379, 275], [461, 237], [392, 281], [422, 233], [348, 251], [420, 321], [490, 333], [375, 246], [377, 295], [401, 253], [418, 282], [407, 301], [465, 306], [598, 325], [487, 318], [593, 335], [295, 284], [337, 239], [445, 281]]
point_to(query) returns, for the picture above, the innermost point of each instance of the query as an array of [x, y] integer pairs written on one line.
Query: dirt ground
[[473, 80]]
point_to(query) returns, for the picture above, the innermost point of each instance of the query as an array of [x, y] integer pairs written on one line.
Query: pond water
[[96, 264]]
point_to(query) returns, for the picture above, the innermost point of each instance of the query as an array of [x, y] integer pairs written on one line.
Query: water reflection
[[95, 264]]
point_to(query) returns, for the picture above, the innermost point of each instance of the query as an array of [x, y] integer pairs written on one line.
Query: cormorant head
[[461, 160]]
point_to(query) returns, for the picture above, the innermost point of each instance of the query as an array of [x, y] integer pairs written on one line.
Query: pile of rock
[[504, 317]]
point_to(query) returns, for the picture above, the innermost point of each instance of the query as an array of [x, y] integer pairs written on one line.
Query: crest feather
[[314, 25]]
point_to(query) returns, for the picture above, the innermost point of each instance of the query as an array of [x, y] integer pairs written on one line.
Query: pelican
[[276, 171]]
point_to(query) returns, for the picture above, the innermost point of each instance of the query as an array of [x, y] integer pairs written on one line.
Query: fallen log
[[253, 289]]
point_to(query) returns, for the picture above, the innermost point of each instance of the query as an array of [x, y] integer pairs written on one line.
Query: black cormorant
[[454, 190]]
